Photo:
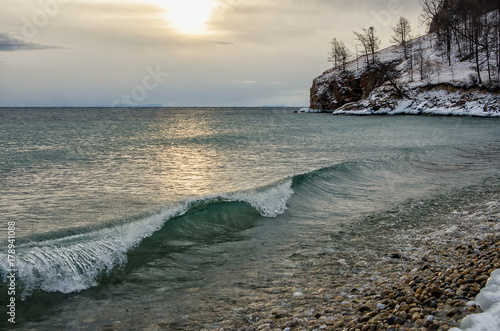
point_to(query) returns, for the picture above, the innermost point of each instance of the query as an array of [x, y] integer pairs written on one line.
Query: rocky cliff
[[335, 89], [397, 86]]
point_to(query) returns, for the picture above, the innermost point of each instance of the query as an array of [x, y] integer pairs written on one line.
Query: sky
[[178, 52]]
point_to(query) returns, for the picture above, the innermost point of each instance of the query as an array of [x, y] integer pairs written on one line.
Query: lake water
[[127, 218]]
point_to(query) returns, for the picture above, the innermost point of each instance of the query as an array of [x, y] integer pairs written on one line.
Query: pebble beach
[[429, 283]]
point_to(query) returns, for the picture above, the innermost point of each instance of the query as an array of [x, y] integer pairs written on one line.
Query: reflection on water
[[74, 173]]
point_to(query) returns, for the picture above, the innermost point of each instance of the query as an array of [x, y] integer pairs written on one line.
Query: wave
[[78, 262], [75, 262]]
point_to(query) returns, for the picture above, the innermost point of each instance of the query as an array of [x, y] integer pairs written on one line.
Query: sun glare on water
[[188, 16]]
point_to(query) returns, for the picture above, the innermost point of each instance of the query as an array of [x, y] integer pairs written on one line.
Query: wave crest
[[75, 263]]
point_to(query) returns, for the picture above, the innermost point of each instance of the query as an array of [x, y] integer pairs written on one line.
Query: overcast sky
[[178, 52]]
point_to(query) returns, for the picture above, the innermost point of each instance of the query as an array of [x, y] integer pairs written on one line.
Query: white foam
[[75, 263], [270, 201]]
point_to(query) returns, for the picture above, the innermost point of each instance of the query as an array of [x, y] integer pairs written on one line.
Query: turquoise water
[[123, 214]]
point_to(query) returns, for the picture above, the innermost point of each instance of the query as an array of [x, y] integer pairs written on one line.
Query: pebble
[[430, 299], [410, 293]]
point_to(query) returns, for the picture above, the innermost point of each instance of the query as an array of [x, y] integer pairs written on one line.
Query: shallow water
[[136, 217]]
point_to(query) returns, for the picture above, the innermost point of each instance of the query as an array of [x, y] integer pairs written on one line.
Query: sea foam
[[76, 263]]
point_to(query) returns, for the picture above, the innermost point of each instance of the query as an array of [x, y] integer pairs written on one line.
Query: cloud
[[222, 43], [10, 43], [256, 52]]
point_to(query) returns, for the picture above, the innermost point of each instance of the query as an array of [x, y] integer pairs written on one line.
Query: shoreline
[[429, 283], [363, 113]]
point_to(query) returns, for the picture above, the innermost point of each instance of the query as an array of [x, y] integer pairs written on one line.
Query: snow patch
[[489, 300], [308, 110]]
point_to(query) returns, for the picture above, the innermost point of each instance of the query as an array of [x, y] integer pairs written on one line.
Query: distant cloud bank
[[9, 43]]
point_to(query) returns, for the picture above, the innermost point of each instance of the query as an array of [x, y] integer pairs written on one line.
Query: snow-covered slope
[[431, 86], [436, 101]]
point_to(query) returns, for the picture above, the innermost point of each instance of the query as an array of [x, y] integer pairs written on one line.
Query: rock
[[366, 328], [350, 106], [385, 293], [481, 279], [453, 312], [436, 291], [334, 89], [363, 308], [395, 256], [402, 315], [399, 321], [434, 326]]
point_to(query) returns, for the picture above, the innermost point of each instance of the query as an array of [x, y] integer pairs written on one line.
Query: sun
[[188, 16]]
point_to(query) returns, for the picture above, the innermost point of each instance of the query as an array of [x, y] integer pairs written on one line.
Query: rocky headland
[[395, 85]]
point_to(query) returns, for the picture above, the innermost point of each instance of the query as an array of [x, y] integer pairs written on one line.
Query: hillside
[[426, 83]]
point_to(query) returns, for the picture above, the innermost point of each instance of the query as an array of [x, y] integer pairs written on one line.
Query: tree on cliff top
[[370, 43], [339, 54], [471, 27], [401, 35]]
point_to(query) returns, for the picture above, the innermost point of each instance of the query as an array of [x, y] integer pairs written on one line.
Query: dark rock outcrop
[[335, 88]]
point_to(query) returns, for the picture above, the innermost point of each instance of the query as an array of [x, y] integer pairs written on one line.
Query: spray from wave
[[78, 262]]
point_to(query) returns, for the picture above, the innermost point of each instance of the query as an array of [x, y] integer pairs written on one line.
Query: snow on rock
[[308, 110], [444, 89], [403, 107], [489, 300], [434, 102]]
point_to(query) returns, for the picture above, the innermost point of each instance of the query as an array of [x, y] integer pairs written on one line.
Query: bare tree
[[364, 42], [487, 36], [373, 41], [339, 54], [496, 41], [357, 58], [411, 58], [472, 26], [370, 43], [332, 54], [436, 15], [345, 56], [420, 58], [401, 35], [431, 10]]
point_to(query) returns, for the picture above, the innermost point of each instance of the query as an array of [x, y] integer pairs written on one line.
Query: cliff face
[[335, 89], [426, 85]]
